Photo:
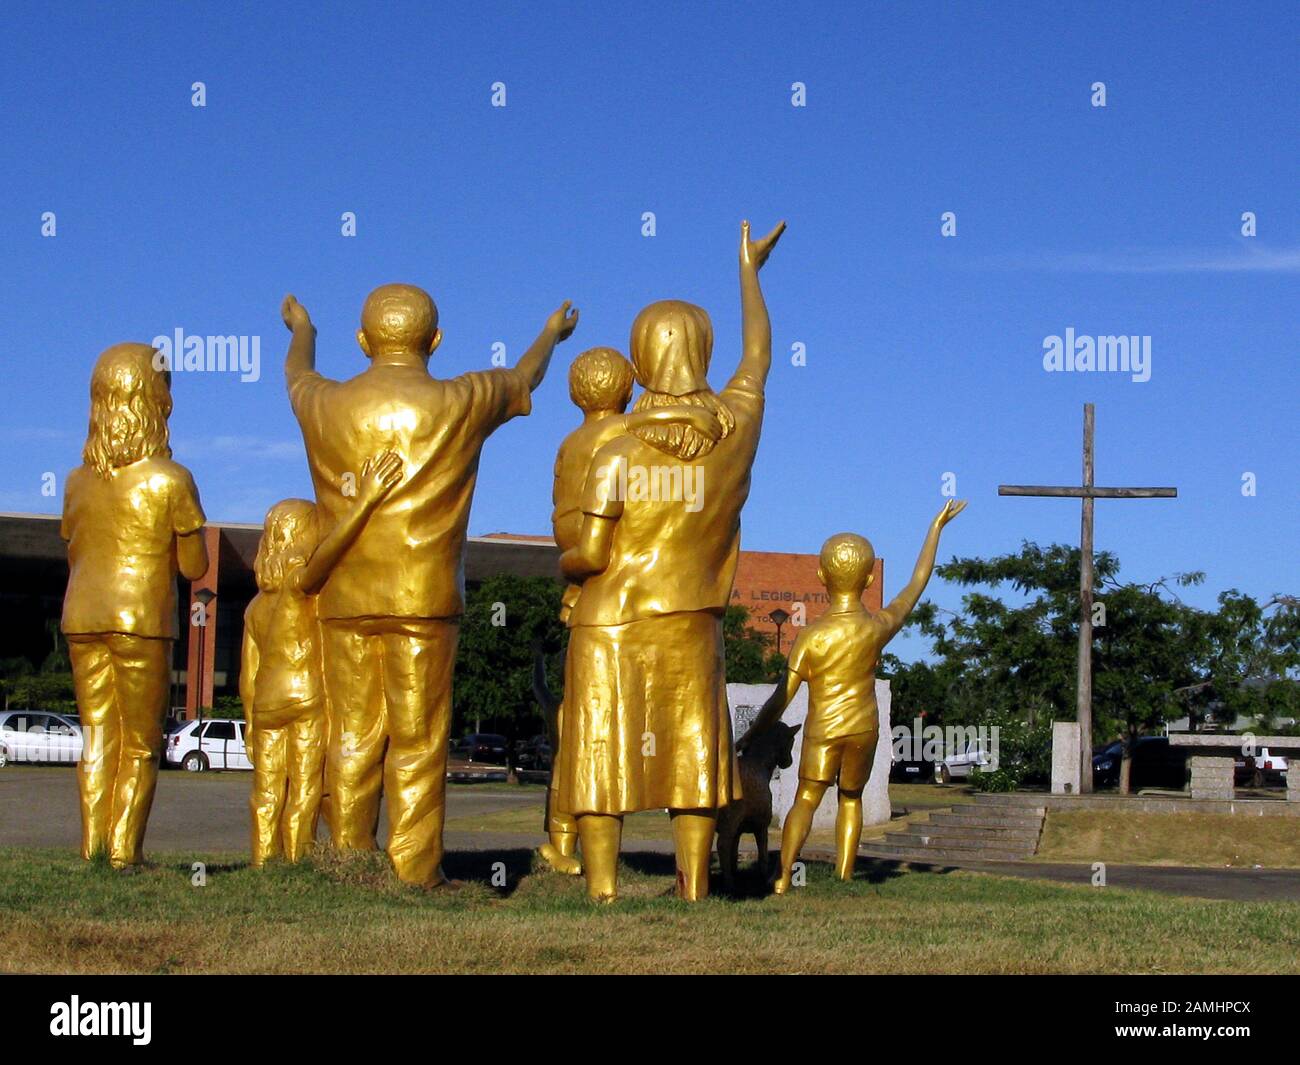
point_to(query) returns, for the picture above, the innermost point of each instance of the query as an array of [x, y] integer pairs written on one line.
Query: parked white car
[[38, 736], [958, 766], [1268, 768], [220, 747]]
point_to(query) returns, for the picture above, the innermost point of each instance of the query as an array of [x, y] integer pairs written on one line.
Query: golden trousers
[[388, 690], [121, 685], [288, 780]]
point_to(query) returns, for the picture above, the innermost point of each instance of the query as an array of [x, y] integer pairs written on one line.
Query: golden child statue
[[600, 385], [390, 609], [646, 722], [837, 655], [280, 679], [131, 517]]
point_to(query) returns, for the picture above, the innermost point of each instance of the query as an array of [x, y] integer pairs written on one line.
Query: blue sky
[[924, 353]]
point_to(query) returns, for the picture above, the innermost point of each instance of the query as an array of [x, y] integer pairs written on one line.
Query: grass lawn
[[349, 914], [1170, 839]]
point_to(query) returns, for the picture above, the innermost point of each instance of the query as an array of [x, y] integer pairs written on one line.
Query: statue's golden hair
[[289, 536], [600, 379], [846, 562], [130, 402], [398, 316]]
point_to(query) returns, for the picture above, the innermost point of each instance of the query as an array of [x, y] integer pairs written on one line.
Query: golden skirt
[[646, 725]]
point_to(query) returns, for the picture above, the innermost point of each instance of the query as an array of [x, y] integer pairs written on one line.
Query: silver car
[[33, 736]]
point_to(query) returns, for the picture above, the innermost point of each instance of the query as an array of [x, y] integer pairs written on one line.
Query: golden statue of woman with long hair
[[131, 516], [646, 719]]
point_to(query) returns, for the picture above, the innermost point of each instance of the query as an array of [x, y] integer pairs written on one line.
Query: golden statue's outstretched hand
[[950, 510], [295, 315], [754, 253], [562, 322]]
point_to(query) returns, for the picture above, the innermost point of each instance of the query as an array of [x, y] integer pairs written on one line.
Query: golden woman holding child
[[647, 725]]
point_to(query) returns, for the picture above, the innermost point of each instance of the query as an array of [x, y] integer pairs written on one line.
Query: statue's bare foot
[[781, 885], [568, 864]]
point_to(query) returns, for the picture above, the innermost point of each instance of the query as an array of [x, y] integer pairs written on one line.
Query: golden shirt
[[282, 625], [572, 462], [671, 555], [121, 532], [837, 656], [415, 538]]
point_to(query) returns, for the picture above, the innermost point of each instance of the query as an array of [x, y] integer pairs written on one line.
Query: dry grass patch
[[1170, 839]]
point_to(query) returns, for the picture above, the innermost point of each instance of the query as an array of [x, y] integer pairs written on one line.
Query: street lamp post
[[205, 597], [778, 617]]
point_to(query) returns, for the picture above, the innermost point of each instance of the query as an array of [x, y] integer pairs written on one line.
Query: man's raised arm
[[302, 347], [756, 356], [559, 327]]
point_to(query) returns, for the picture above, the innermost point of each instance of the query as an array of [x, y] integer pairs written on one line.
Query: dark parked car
[[533, 755], [911, 771], [1156, 764], [482, 747]]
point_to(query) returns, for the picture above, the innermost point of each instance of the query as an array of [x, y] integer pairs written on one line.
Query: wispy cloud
[[1138, 261]]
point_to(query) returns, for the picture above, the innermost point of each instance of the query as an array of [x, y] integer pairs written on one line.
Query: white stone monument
[[1065, 758], [746, 700]]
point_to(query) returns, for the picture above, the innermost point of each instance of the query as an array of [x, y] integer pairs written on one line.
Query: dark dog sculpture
[[761, 757]]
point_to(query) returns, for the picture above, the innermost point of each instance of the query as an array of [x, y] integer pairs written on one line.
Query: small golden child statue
[[837, 655], [600, 385], [280, 679], [131, 517]]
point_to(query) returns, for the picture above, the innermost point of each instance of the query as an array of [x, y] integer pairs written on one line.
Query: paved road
[[209, 812], [191, 811]]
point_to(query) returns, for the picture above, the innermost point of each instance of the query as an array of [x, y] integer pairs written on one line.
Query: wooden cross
[[1087, 492]]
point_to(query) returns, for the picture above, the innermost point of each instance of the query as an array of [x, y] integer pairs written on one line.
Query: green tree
[[1013, 664], [506, 617], [748, 652]]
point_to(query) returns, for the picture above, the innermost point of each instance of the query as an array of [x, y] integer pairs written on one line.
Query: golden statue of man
[[131, 517], [390, 608], [837, 656], [646, 722], [280, 676]]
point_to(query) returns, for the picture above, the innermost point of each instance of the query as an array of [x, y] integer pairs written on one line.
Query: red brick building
[[34, 574]]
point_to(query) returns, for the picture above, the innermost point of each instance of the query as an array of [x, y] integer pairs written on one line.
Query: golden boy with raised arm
[[837, 655], [600, 385], [280, 677], [131, 517], [391, 607]]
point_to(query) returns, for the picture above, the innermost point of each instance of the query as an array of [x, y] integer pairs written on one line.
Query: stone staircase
[[993, 828]]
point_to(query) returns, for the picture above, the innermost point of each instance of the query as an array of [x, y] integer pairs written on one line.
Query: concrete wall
[[745, 701]]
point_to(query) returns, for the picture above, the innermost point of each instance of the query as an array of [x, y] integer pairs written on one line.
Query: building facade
[[773, 586]]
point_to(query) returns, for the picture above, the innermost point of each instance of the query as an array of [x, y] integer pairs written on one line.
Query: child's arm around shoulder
[[698, 418], [378, 477]]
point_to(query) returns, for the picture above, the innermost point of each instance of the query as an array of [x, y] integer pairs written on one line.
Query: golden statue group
[[350, 642]]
